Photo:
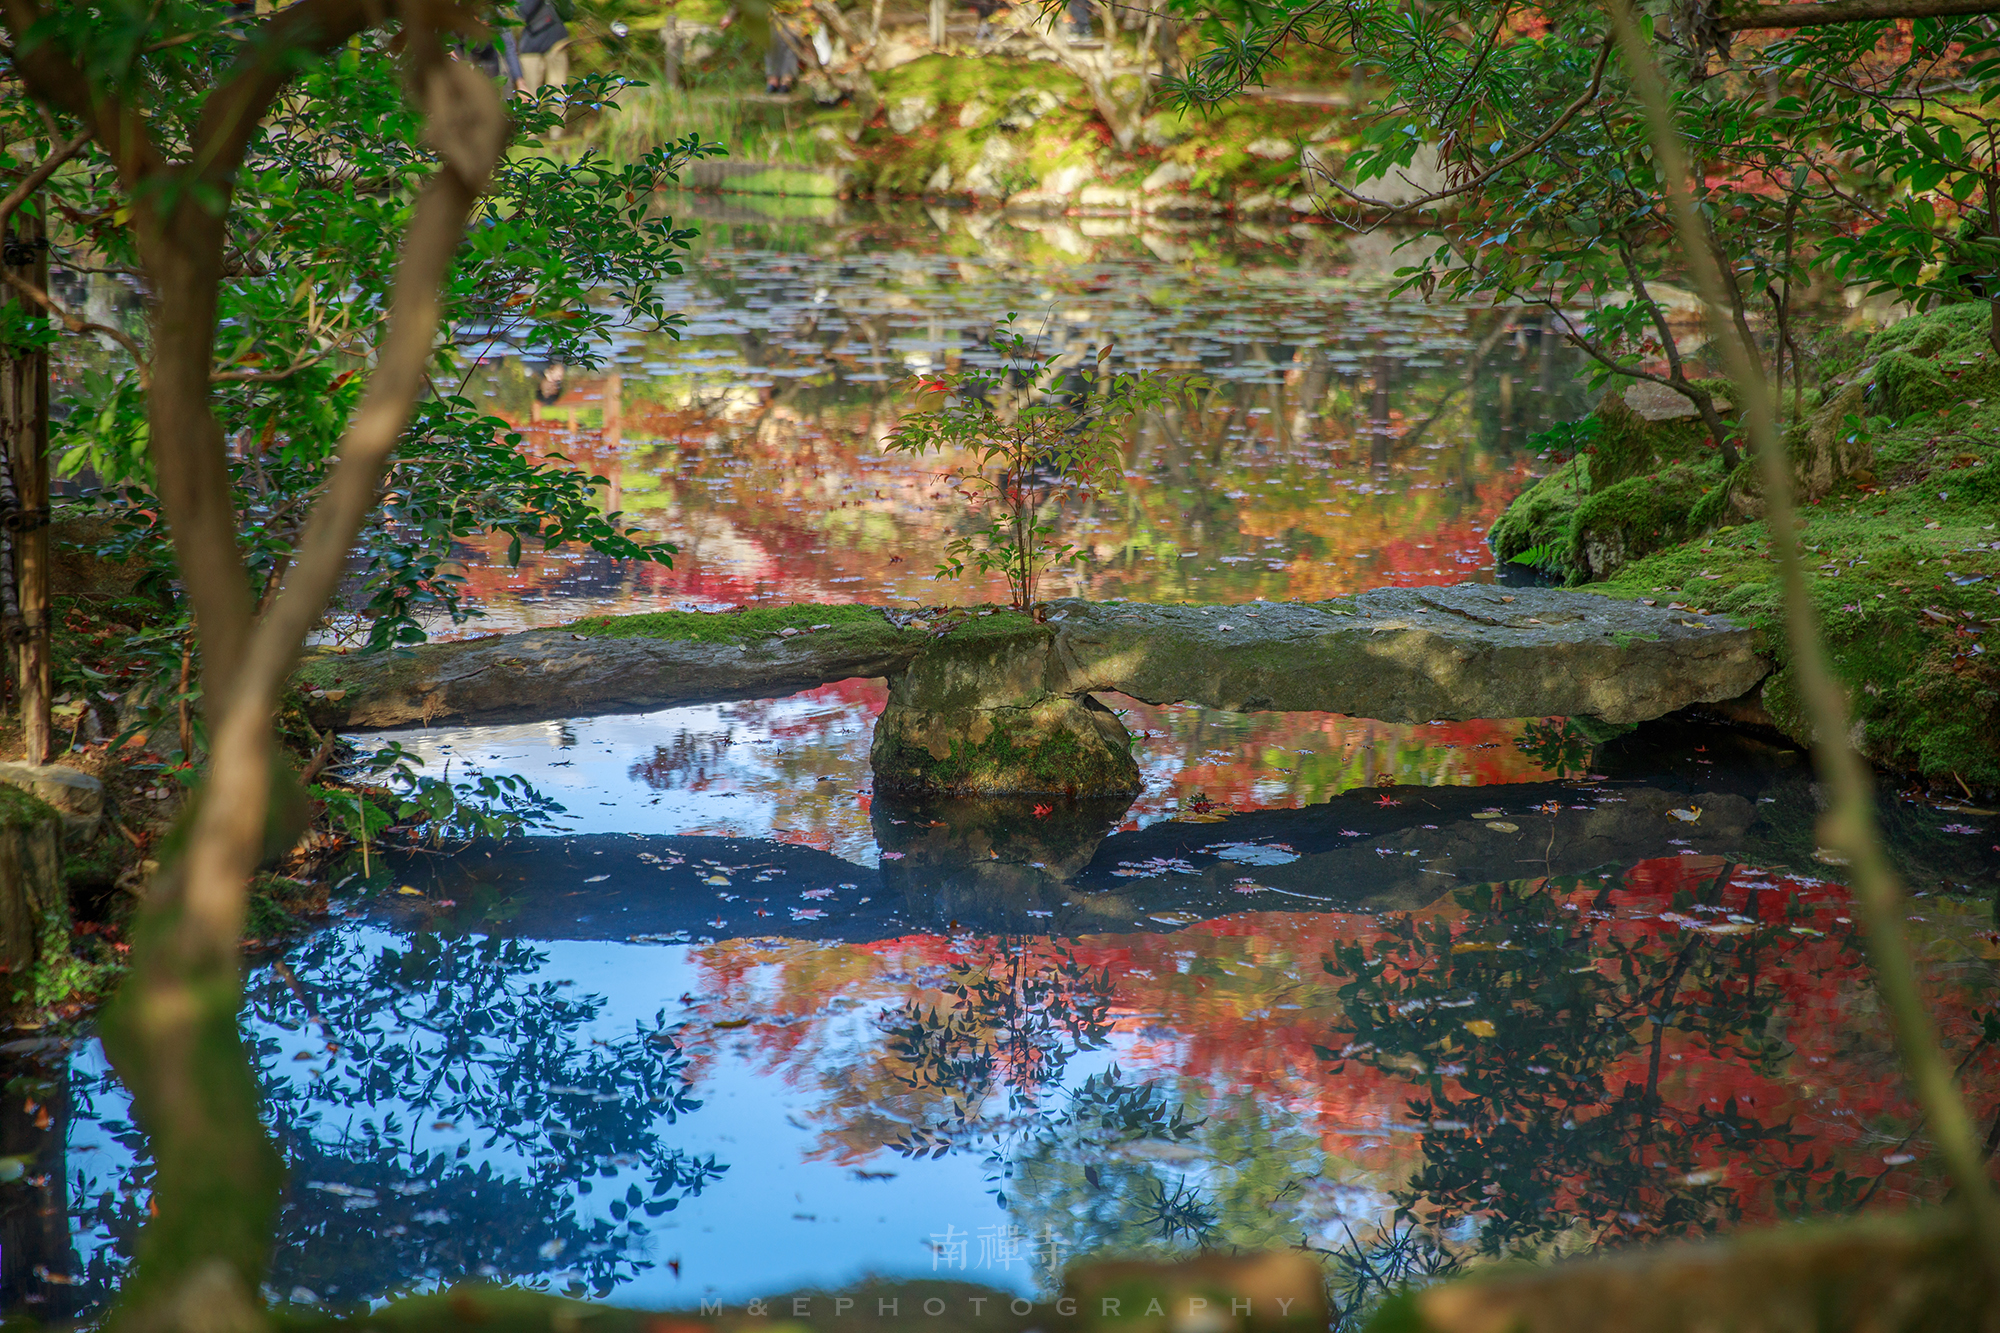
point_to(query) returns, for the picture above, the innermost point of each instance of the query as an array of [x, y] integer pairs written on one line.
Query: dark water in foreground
[[1409, 997]]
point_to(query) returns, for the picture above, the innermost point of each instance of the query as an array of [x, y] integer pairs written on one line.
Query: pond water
[[1408, 996]]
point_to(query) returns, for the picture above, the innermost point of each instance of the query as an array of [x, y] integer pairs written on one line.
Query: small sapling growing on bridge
[[1025, 431]]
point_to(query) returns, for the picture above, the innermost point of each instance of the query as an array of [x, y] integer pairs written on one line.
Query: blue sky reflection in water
[[799, 1034]]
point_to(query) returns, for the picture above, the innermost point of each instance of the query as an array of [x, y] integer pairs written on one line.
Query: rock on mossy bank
[[1898, 470]]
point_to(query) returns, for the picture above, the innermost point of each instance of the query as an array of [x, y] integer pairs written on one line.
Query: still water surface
[[1414, 995]]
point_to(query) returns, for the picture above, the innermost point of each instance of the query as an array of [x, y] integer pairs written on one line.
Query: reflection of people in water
[[781, 61], [549, 382]]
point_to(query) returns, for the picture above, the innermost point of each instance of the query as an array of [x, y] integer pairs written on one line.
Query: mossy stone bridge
[[991, 701]]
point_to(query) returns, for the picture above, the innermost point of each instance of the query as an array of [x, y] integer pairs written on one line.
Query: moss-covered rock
[[1059, 745], [743, 625], [985, 711], [1634, 485], [34, 906], [608, 664], [1630, 518], [1899, 473], [1932, 362]]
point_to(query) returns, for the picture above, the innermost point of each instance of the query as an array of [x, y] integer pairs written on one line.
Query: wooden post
[[670, 42], [24, 440], [937, 22]]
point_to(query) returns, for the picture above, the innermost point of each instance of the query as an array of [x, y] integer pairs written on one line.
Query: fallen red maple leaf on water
[[1388, 800], [1041, 810]]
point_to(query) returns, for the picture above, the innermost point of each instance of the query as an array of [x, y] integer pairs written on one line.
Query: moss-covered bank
[[1901, 525], [993, 128]]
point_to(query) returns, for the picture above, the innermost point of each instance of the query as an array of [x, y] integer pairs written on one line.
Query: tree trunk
[[24, 439]]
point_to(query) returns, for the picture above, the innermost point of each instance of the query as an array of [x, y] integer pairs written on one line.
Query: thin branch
[[35, 179], [75, 323], [1534, 145], [269, 376], [1849, 11]]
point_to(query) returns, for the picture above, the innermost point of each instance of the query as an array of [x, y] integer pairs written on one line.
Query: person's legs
[[781, 63], [534, 68], [557, 73]]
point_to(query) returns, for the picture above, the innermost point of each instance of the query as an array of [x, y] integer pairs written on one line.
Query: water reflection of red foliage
[[768, 504], [1241, 1002]]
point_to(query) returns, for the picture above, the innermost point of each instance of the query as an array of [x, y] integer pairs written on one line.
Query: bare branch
[[267, 376], [1849, 11], [75, 323]]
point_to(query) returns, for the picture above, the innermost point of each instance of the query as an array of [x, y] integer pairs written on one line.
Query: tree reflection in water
[[1582, 1062], [463, 1111], [1521, 1068], [1554, 1043]]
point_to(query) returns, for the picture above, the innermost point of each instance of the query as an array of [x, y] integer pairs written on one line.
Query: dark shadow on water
[[1055, 867]]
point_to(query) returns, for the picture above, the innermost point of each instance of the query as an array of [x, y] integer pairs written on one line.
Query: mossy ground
[[1904, 566], [745, 625]]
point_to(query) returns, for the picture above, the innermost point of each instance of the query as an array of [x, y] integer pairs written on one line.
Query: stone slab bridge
[[989, 702]]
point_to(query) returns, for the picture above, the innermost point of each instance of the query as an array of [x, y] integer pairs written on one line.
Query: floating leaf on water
[[1502, 826], [1480, 1027], [1687, 816], [596, 879], [1253, 854]]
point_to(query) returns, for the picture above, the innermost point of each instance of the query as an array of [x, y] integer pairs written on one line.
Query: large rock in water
[[998, 706]]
